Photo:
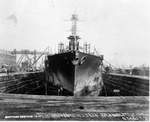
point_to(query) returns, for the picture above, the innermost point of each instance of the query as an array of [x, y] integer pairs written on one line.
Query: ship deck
[[40, 107]]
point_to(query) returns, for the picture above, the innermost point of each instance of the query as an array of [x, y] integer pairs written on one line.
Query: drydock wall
[[22, 83], [125, 85], [114, 84]]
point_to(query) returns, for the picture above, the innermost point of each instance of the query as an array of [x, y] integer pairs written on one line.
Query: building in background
[[7, 61]]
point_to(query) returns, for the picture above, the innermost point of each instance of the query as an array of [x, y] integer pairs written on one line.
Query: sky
[[118, 29]]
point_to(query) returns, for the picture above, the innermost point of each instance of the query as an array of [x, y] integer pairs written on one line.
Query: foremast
[[74, 43]]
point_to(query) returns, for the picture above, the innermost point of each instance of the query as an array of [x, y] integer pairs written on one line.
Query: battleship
[[73, 70]]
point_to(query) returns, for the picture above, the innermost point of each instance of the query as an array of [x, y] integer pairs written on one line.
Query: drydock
[[72, 86], [23, 98]]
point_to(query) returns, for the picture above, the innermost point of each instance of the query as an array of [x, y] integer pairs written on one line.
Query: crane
[[28, 59]]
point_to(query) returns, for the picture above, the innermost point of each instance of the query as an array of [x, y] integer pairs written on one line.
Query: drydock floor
[[40, 107]]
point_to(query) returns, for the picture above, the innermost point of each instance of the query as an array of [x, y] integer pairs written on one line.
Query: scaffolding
[[27, 60]]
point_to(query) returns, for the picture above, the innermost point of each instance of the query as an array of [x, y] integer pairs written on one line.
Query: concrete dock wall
[[125, 85], [22, 83]]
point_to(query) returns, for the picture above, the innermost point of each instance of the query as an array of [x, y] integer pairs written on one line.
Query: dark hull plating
[[76, 72]]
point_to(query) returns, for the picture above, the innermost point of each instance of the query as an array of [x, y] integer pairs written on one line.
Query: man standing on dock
[[60, 90]]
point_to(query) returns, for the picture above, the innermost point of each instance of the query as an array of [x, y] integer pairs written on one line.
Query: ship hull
[[88, 78], [76, 72]]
